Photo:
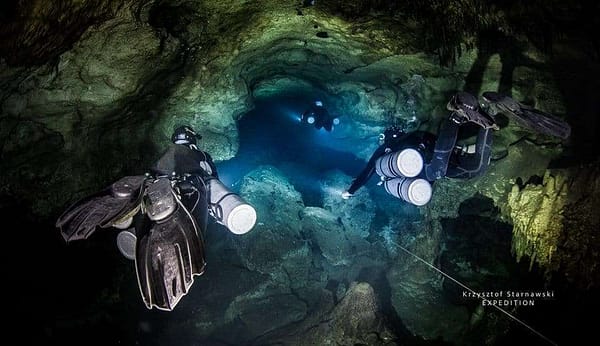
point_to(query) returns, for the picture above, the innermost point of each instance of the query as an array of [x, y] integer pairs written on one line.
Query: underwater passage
[[371, 172], [164, 213]]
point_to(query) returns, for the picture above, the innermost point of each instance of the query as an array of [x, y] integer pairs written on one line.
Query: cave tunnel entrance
[[272, 134]]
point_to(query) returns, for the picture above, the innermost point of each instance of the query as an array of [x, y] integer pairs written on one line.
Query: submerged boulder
[[416, 295], [356, 320], [327, 232], [277, 250], [264, 310], [277, 235], [357, 213]]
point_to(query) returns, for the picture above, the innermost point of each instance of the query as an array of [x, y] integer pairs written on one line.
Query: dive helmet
[[185, 135]]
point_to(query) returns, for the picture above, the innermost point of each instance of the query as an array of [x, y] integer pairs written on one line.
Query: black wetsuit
[[192, 166], [462, 166], [184, 159], [437, 153]]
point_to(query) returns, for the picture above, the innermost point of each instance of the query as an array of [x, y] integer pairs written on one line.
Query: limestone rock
[[328, 235], [106, 65], [277, 235], [555, 222], [357, 312], [417, 298], [87, 99], [261, 312], [357, 213], [40, 30], [356, 320]]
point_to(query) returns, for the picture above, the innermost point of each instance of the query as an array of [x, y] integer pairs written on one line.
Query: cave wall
[[112, 99], [32, 32]]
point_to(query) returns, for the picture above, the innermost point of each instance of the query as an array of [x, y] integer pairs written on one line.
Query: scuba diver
[[409, 163], [163, 216], [318, 116]]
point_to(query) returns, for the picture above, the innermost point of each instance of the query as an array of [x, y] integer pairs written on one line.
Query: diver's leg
[[527, 116], [472, 165], [195, 199], [171, 251], [444, 145]]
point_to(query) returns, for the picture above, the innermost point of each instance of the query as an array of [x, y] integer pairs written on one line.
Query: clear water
[[272, 134]]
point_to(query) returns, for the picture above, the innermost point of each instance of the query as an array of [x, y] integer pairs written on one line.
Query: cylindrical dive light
[[405, 163], [229, 209], [412, 190]]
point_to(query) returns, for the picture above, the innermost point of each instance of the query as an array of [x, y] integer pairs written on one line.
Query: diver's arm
[[367, 172], [212, 165]]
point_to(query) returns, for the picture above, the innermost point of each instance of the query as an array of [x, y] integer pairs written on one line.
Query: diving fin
[[526, 116], [109, 207], [170, 253]]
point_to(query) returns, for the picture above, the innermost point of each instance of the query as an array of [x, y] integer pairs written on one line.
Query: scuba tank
[[399, 171], [404, 163], [126, 241], [228, 208], [415, 191]]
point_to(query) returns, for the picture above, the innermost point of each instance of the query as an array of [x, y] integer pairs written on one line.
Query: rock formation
[[554, 221]]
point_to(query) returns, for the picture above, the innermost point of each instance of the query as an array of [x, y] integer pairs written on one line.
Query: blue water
[[272, 134]]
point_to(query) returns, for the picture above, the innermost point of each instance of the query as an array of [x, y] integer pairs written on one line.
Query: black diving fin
[[170, 250], [166, 238], [107, 208], [526, 116]]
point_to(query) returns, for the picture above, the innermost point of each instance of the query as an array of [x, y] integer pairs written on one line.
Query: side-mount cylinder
[[229, 209]]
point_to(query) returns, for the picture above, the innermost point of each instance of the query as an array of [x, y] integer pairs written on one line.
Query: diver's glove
[[346, 195]]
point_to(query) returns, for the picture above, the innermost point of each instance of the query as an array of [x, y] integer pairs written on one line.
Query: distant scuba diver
[[409, 163], [318, 116], [163, 216]]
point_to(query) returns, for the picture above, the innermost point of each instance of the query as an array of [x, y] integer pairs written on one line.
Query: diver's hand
[[346, 195]]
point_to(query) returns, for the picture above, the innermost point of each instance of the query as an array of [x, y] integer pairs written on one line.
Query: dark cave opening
[[272, 134]]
